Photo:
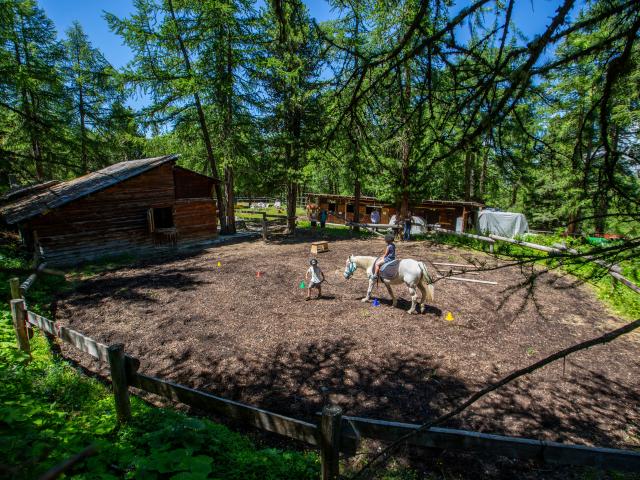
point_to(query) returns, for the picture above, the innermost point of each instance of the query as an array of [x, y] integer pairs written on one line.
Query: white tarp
[[418, 225], [505, 224]]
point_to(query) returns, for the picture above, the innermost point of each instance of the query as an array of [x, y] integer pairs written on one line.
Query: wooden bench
[[317, 247]]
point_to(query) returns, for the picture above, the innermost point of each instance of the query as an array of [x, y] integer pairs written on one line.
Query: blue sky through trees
[[530, 17]]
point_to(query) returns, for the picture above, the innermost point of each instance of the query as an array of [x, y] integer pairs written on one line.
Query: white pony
[[411, 272]]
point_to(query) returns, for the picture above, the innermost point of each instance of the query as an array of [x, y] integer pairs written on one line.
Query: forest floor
[[255, 339]]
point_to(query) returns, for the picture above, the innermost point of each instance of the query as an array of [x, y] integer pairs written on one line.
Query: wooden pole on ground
[[119, 382], [330, 442], [19, 315]]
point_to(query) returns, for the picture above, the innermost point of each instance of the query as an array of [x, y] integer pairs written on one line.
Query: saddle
[[389, 270]]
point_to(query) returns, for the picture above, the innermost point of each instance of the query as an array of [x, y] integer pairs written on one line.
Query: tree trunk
[[292, 196], [356, 205], [405, 146], [83, 132], [29, 114], [601, 211], [483, 177], [228, 128], [203, 127], [228, 184], [468, 175], [514, 195]]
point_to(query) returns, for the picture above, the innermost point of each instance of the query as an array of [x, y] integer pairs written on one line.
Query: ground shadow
[[137, 288], [299, 379]]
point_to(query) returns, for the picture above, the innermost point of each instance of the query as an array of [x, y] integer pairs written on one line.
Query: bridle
[[351, 268]]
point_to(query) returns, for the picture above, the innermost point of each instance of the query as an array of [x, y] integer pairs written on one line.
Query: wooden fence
[[557, 249], [334, 434]]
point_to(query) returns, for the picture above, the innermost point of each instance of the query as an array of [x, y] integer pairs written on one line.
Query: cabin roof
[[462, 203], [54, 195], [423, 204], [341, 197]]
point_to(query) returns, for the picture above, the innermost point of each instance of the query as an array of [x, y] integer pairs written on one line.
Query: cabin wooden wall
[[114, 220], [434, 212], [341, 209], [191, 184], [195, 219]]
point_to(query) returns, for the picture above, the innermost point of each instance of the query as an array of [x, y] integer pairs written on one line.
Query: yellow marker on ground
[[449, 317], [219, 264]]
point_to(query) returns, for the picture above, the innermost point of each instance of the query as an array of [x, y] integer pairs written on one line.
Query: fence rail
[[513, 447], [334, 434], [557, 249], [256, 417]]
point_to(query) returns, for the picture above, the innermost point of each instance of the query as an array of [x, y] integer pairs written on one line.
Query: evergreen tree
[[92, 84], [288, 71], [166, 67], [33, 100]]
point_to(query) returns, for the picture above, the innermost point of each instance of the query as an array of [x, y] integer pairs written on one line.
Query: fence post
[[119, 381], [19, 316], [264, 226], [330, 442], [15, 288]]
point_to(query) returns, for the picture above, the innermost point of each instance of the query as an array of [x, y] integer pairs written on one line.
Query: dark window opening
[[160, 218], [370, 210], [332, 206], [350, 208]]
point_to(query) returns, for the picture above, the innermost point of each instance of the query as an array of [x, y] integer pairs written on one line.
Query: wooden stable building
[[136, 206], [341, 208]]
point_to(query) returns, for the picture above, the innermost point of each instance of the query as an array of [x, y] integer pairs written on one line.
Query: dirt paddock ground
[[255, 339]]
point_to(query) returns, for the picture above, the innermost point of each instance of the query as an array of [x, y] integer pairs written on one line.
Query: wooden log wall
[[195, 218], [114, 220], [191, 184], [107, 222]]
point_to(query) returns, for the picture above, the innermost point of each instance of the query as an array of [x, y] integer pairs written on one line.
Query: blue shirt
[[391, 254]]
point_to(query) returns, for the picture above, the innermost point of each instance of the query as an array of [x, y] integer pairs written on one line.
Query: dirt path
[[224, 330]]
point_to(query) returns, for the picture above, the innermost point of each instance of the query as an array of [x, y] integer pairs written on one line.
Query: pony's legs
[[394, 300], [414, 298], [368, 297], [423, 297]]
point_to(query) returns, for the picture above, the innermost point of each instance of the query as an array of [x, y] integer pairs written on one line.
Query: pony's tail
[[429, 283]]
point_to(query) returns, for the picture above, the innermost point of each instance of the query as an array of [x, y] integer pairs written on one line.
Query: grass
[[257, 212], [621, 300], [333, 231]]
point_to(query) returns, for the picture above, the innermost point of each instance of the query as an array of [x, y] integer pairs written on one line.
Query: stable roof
[[58, 194], [423, 204]]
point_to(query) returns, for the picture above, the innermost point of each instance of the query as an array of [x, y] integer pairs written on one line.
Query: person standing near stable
[[407, 227], [375, 216], [323, 218]]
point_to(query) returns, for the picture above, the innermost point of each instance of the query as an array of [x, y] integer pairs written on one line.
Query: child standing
[[314, 278]]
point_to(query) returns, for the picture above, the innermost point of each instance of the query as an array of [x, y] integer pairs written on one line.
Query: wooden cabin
[[137, 206], [341, 208]]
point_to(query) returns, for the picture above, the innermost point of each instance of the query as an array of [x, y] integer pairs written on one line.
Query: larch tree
[[163, 37], [33, 100], [92, 84], [288, 73]]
